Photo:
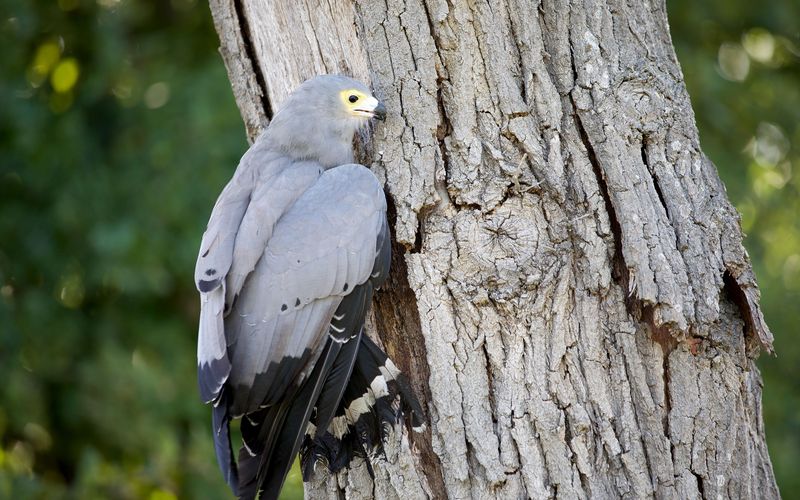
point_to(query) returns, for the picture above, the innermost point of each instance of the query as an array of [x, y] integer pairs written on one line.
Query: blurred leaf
[[750, 128], [108, 175]]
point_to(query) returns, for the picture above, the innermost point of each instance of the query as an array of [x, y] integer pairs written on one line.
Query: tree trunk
[[570, 294]]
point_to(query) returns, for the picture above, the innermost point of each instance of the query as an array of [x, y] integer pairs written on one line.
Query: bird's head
[[318, 120]]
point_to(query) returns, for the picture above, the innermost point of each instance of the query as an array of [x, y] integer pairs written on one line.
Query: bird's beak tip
[[380, 112]]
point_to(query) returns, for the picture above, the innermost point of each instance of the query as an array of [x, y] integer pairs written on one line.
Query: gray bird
[[296, 244]]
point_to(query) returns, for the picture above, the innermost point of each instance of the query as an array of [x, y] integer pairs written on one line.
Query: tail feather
[[398, 382], [353, 308], [276, 464], [260, 431], [274, 435], [346, 408], [220, 421], [376, 399]]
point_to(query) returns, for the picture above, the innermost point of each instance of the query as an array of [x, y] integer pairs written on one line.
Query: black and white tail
[[377, 397]]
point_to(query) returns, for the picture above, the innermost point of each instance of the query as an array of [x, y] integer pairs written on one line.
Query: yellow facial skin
[[358, 103]]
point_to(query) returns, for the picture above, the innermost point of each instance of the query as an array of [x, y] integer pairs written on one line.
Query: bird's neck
[[312, 141], [337, 153]]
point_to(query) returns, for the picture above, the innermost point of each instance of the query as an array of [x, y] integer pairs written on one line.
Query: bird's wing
[[216, 248], [319, 251], [240, 226], [213, 262], [269, 202], [323, 390], [286, 344]]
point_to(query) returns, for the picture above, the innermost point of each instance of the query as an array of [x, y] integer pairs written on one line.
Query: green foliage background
[[117, 131]]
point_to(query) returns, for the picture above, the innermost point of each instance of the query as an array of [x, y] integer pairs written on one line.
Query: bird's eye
[[352, 98]]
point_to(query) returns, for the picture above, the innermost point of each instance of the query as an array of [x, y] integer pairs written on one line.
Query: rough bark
[[570, 294]]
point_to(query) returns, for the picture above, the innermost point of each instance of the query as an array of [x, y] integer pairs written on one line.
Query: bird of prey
[[296, 244]]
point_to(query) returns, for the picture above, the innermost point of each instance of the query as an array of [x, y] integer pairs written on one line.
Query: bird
[[296, 245]]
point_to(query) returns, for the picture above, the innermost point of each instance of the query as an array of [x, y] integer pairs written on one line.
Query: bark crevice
[[736, 294], [247, 40], [620, 270], [654, 177], [396, 317]]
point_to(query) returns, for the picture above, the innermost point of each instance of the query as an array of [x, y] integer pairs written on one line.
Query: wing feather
[[269, 203], [319, 251], [240, 225], [216, 248], [284, 254], [308, 263], [349, 323], [213, 365], [213, 263]]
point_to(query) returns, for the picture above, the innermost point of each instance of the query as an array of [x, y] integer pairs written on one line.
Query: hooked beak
[[372, 108], [379, 112]]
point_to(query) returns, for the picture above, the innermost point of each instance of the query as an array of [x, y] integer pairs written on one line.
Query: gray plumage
[[311, 133], [297, 229]]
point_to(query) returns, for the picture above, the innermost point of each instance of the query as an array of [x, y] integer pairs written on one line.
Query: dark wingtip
[[211, 378], [207, 285]]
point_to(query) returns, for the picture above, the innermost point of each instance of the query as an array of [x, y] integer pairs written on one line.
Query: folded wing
[[241, 223], [284, 340], [213, 263]]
